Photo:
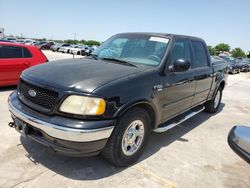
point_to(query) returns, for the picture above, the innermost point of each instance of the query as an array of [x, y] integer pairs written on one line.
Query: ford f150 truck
[[110, 101]]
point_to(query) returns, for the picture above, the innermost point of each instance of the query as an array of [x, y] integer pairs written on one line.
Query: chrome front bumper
[[57, 130]]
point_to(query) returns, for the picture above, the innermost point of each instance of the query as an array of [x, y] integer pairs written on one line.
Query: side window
[[10, 52], [199, 54], [26, 53], [181, 50]]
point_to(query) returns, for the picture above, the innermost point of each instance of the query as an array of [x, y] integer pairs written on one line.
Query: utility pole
[[74, 42]]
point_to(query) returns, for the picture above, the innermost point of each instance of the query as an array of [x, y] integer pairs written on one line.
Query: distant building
[[1, 32]]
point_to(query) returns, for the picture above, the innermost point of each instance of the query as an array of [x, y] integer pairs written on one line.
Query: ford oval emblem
[[32, 93]]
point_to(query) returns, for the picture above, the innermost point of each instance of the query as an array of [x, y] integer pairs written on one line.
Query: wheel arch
[[222, 84], [146, 105]]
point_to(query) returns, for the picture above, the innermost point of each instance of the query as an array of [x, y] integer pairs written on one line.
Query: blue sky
[[214, 20]]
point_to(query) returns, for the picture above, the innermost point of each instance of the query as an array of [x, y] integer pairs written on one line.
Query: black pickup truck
[[110, 101]]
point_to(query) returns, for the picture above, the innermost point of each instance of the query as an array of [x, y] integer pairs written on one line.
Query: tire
[[78, 53], [213, 105], [116, 150]]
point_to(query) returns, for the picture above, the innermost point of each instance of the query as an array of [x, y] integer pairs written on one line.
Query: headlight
[[82, 105]]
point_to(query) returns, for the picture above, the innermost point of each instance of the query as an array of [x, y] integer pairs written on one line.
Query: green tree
[[211, 50], [92, 43], [238, 52], [70, 41], [82, 41], [222, 47]]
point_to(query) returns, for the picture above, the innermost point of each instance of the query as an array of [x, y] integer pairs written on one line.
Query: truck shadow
[[8, 88], [94, 168]]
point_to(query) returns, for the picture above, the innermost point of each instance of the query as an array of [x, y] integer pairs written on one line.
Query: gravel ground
[[193, 154]]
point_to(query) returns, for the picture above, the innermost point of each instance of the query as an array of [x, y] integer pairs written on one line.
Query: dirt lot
[[193, 154]]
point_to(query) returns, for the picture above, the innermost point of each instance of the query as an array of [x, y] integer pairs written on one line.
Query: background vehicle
[[232, 65], [243, 65], [44, 45], [31, 42], [20, 41], [239, 141], [85, 50], [77, 50], [89, 50], [65, 49], [14, 58], [109, 102], [56, 46], [71, 50], [4, 40]]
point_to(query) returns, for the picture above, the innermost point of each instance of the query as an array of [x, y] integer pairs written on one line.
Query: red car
[[14, 58]]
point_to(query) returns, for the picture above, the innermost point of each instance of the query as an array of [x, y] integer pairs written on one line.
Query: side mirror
[[181, 65], [239, 140]]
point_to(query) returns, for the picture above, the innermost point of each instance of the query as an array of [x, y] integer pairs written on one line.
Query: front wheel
[[129, 138], [213, 105]]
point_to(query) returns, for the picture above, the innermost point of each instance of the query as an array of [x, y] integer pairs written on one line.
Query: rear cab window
[[200, 55]]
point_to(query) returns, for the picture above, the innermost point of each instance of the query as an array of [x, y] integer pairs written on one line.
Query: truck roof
[[169, 35]]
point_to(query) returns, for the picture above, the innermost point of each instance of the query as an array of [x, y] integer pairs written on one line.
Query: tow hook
[[12, 124]]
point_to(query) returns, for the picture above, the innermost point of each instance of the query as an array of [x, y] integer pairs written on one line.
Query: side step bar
[[188, 115]]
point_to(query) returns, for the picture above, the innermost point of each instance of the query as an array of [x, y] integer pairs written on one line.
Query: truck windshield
[[134, 48]]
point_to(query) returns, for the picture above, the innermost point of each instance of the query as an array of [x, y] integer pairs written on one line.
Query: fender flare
[[218, 85], [130, 105]]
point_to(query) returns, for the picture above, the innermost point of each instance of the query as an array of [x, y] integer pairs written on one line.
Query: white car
[[73, 48], [31, 42], [64, 49], [77, 51]]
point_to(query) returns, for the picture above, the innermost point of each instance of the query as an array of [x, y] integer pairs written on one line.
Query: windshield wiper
[[119, 61]]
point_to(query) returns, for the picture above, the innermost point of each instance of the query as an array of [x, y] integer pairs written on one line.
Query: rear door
[[178, 87], [12, 63], [203, 72]]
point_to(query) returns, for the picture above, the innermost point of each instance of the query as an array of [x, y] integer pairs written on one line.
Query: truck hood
[[80, 75]]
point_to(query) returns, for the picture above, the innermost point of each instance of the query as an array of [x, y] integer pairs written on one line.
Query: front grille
[[42, 98]]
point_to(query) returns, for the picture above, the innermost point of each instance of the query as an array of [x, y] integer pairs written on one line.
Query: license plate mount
[[21, 126]]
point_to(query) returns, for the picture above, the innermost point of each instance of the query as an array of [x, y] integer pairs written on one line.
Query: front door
[[178, 86]]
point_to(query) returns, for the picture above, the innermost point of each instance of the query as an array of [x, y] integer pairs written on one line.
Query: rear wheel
[[213, 105], [129, 138]]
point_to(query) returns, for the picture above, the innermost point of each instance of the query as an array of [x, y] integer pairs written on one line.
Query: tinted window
[[199, 54], [181, 50], [10, 52], [26, 53]]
